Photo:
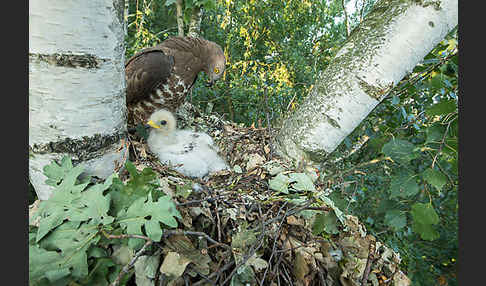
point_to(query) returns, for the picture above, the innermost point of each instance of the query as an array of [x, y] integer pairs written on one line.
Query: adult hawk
[[162, 76]]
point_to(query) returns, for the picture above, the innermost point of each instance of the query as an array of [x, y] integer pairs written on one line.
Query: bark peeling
[[84, 148], [68, 60]]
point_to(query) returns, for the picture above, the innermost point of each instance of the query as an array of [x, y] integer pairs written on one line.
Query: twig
[[133, 147], [420, 76], [294, 210], [247, 256], [442, 170], [165, 31], [361, 11], [371, 259], [127, 267], [121, 236], [197, 201], [217, 273], [352, 196], [126, 144], [441, 143], [292, 100], [218, 220], [277, 235], [374, 161], [389, 280], [168, 233], [287, 275], [321, 275], [202, 275]]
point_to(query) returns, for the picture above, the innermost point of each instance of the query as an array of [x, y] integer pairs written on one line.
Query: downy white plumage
[[190, 153]]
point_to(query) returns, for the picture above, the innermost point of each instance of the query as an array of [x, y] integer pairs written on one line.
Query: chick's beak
[[152, 124]]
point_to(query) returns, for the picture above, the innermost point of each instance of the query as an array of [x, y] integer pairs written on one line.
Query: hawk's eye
[[216, 70], [163, 122]]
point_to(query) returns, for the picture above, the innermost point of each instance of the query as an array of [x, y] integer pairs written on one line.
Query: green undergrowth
[[70, 233]]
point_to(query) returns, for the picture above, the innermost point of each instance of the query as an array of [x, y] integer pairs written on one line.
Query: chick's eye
[[163, 122], [216, 70]]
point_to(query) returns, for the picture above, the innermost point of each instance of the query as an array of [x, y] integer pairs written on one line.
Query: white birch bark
[[393, 38], [195, 24], [180, 19], [76, 86]]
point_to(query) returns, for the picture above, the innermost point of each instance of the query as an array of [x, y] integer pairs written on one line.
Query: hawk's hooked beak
[[152, 124]]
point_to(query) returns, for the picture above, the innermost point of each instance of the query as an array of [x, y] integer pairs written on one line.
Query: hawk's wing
[[144, 71]]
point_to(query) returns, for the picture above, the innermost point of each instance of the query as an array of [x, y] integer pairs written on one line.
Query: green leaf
[[451, 146], [42, 261], [99, 275], [57, 274], [403, 185], [55, 173], [243, 276], [96, 204], [240, 245], [325, 222], [437, 82], [443, 107], [302, 182], [384, 205], [401, 151], [188, 4], [69, 203], [279, 183], [426, 231], [375, 144], [454, 166], [141, 131], [424, 214], [435, 178], [424, 217], [330, 203], [63, 204], [145, 212], [139, 183], [184, 190], [138, 186], [435, 133], [395, 219], [74, 241]]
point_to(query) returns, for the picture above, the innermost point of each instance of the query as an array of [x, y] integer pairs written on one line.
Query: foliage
[[301, 182], [68, 243], [274, 49], [404, 179]]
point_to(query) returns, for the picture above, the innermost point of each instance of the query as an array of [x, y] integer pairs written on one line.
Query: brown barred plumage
[[162, 76]]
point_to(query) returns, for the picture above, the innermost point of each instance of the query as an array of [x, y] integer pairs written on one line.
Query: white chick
[[190, 153]]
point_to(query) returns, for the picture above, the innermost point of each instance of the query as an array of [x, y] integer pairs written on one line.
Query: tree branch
[[180, 19], [345, 18]]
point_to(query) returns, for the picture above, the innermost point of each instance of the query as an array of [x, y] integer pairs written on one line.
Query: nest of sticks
[[236, 229]]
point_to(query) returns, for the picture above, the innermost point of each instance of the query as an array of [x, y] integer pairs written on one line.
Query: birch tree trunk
[[76, 86], [180, 20], [392, 39], [195, 24], [125, 17]]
